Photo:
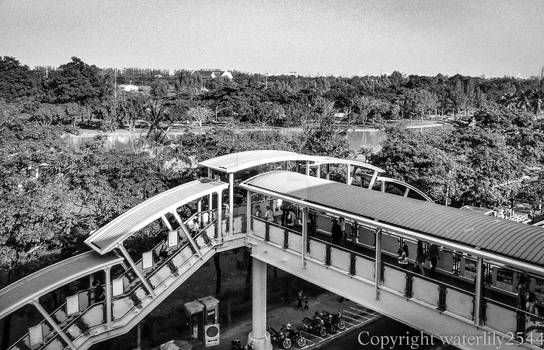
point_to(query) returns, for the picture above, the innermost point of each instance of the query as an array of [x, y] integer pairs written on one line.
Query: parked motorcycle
[[327, 321], [314, 325], [336, 320], [295, 335], [236, 344], [279, 338]]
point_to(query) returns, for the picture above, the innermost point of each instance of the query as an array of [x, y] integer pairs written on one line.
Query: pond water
[[123, 140]]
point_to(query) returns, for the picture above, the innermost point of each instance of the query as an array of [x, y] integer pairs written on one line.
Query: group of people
[[432, 255], [283, 215]]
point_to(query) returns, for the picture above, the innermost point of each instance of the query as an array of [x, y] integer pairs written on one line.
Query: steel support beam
[[378, 262], [348, 179], [190, 239], [249, 211], [328, 172], [304, 234], [135, 268], [219, 216], [107, 273], [210, 198], [53, 324], [308, 168], [231, 204], [166, 223], [478, 291], [373, 180]]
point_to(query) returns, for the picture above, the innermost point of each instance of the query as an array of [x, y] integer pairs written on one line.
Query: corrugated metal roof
[[25, 290], [234, 162], [503, 237], [107, 237]]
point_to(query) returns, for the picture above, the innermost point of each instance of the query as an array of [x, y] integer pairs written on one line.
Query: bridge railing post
[[409, 290], [442, 291], [267, 231], [352, 263], [285, 238], [327, 254]]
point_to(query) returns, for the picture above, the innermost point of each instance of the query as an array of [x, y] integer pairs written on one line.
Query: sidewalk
[[355, 317]]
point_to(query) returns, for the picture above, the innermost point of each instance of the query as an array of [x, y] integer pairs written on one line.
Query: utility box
[[211, 320], [203, 315], [195, 313]]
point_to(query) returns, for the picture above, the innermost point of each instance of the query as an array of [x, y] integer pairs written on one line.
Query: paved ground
[[355, 316]]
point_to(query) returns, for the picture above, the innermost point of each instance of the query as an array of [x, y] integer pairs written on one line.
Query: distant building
[[143, 89], [214, 73]]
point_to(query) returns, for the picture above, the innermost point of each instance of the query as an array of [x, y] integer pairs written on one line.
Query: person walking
[[433, 257], [336, 233], [343, 229], [269, 214], [420, 259]]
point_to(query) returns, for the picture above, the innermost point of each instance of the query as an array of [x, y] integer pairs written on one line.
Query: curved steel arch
[[408, 187]]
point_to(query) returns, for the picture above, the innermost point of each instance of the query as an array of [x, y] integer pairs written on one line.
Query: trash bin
[[194, 311], [211, 320]]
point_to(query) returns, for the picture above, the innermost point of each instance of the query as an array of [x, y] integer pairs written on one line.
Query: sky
[[309, 37]]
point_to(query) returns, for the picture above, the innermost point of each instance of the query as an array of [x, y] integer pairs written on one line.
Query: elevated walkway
[[430, 305]]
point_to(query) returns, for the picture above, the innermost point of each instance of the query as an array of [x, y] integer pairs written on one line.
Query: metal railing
[[446, 296]]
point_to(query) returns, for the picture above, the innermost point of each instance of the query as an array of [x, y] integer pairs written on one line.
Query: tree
[[78, 82], [200, 114], [16, 80]]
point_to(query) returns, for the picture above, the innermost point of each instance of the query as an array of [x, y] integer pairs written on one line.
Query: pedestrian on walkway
[[343, 229], [433, 257], [420, 259], [336, 233], [269, 214]]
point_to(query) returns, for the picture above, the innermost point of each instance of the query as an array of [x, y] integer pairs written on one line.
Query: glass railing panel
[[276, 235], [317, 250], [239, 224], [500, 317], [259, 228], [340, 259], [94, 316], [121, 306], [460, 303], [425, 290], [364, 268], [55, 344], [394, 279], [295, 241]]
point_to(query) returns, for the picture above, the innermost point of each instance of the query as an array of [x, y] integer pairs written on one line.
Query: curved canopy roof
[[31, 287], [502, 238], [107, 237], [234, 162]]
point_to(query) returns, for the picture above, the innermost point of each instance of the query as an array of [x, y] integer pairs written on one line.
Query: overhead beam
[[53, 324], [136, 270]]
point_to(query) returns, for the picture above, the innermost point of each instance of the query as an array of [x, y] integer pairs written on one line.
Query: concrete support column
[[478, 291], [378, 261], [109, 305], [318, 171], [307, 168], [53, 324], [258, 337], [135, 268], [231, 204]]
